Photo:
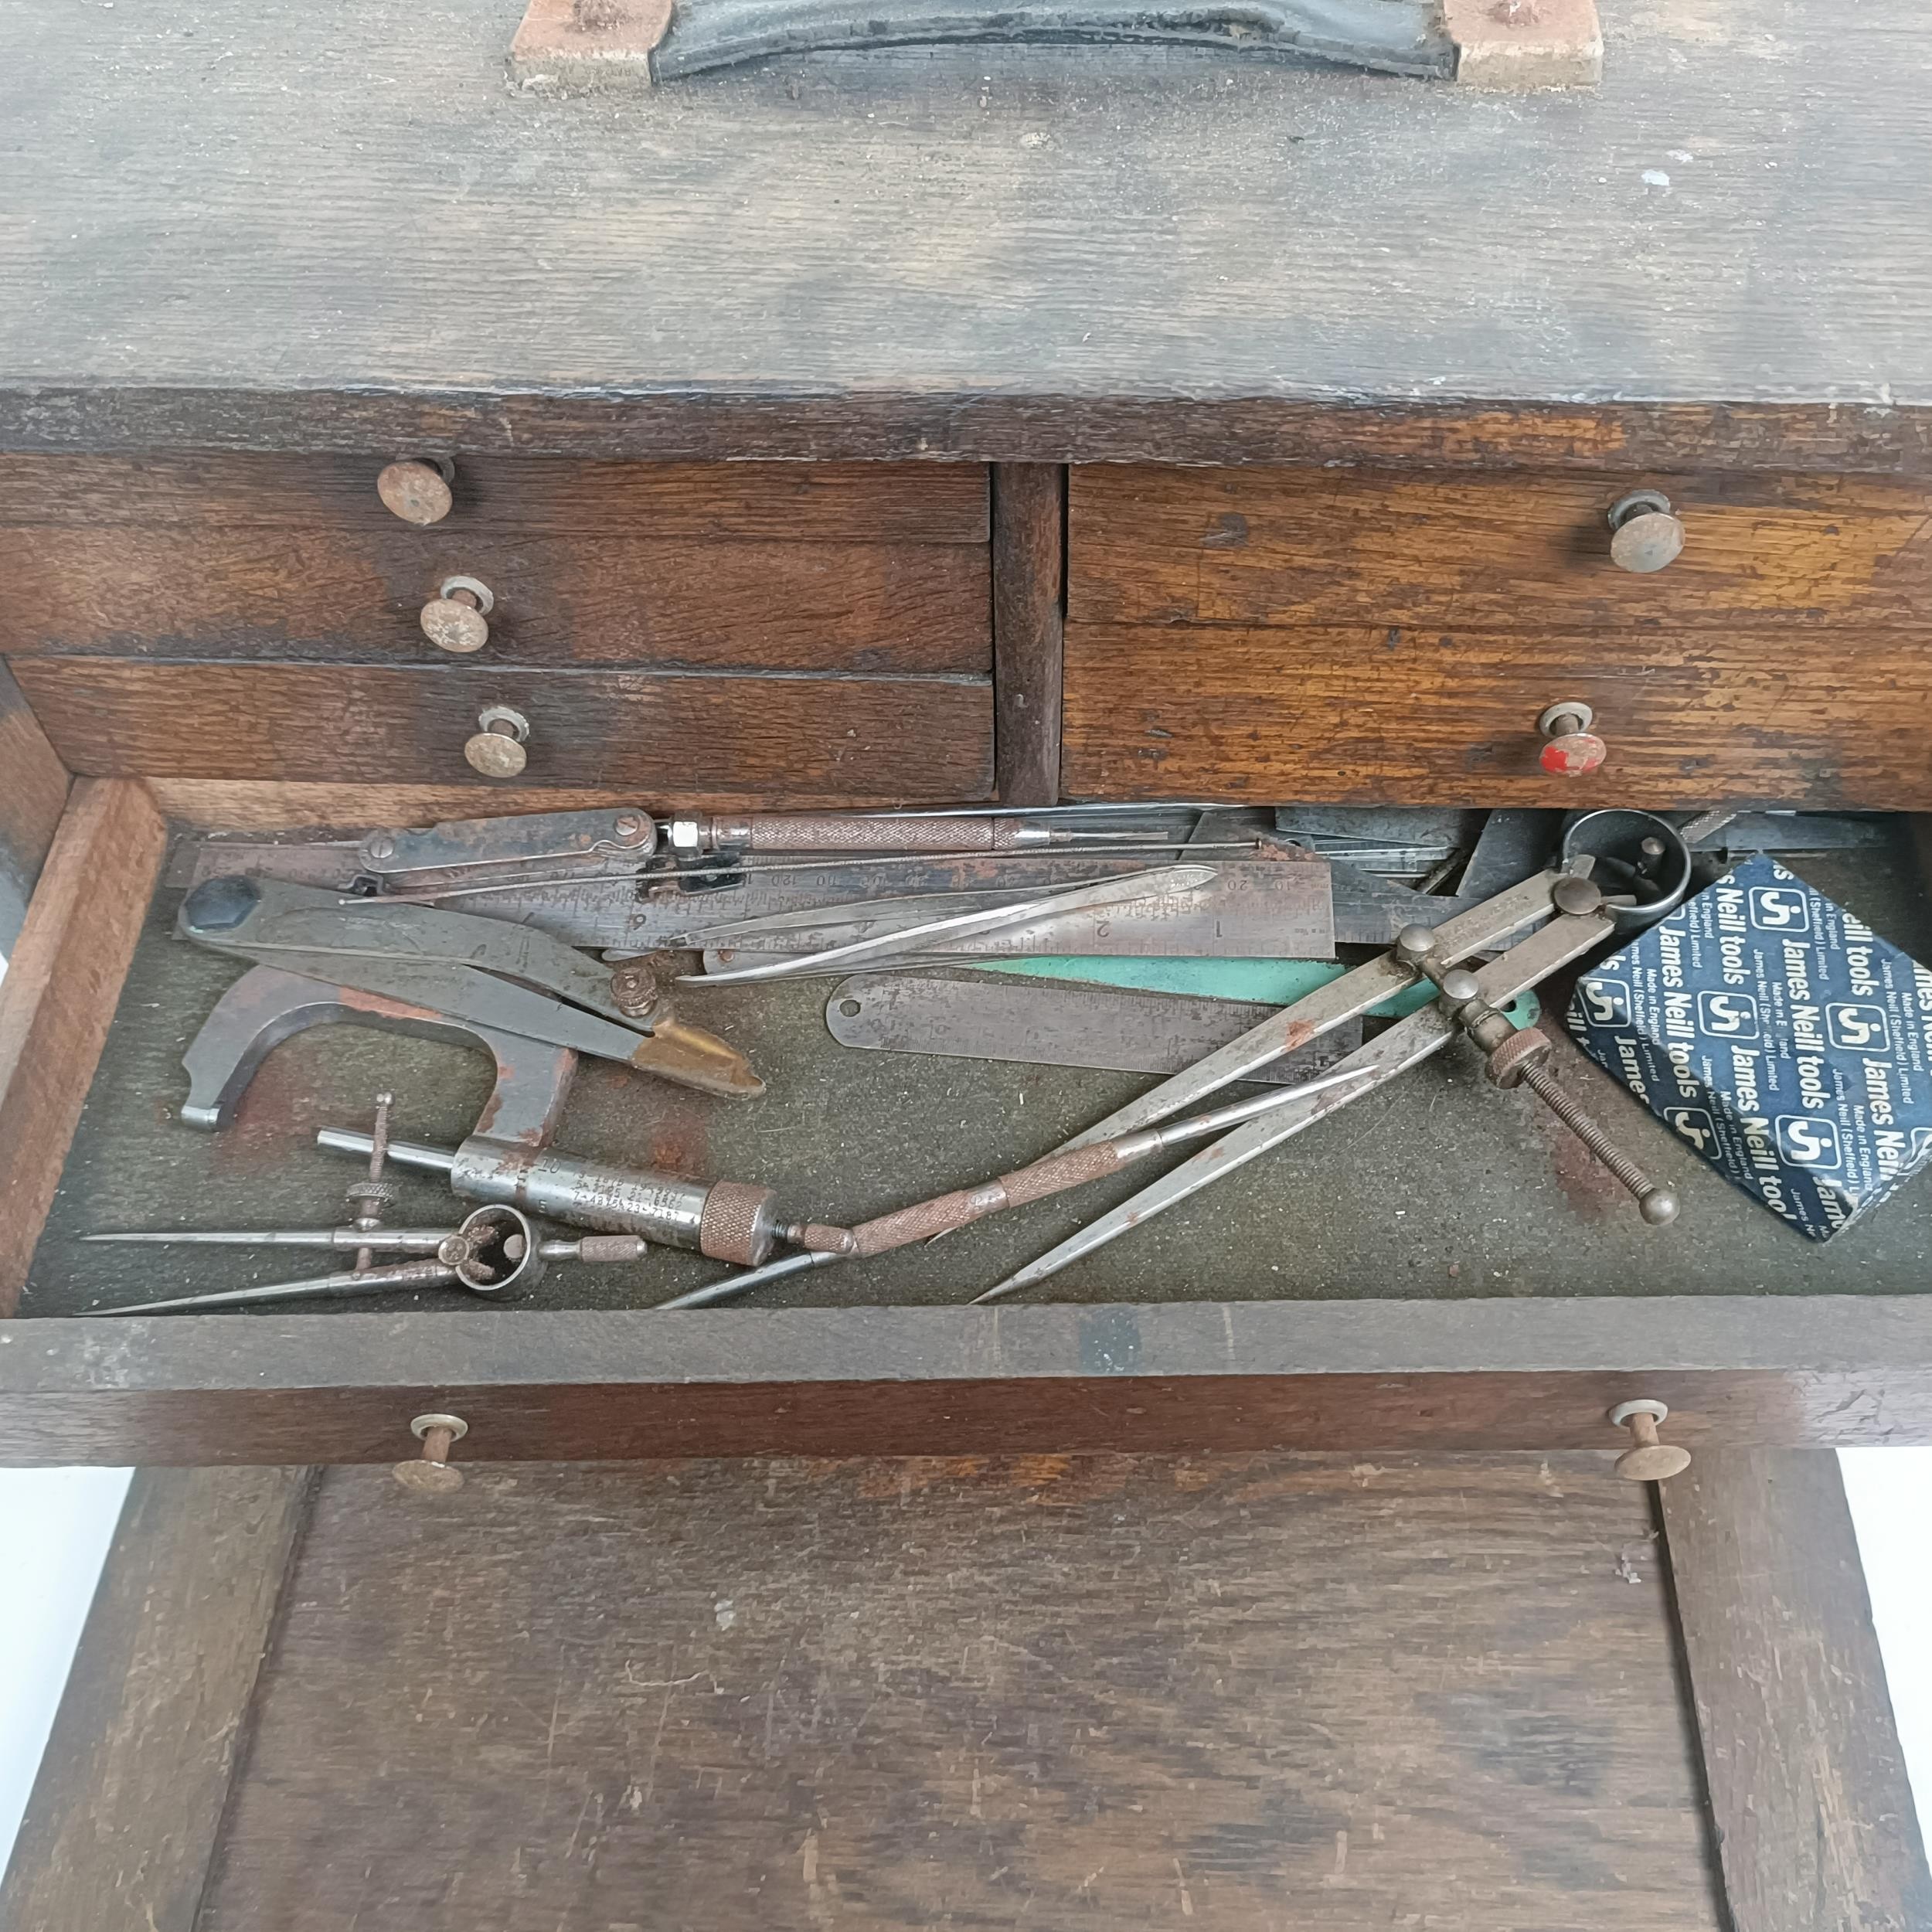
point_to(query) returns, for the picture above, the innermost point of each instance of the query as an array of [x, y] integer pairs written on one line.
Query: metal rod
[[401, 1274], [1404, 1044], [1054, 1174], [1157, 883], [547, 881], [429, 1160], [404, 1240]]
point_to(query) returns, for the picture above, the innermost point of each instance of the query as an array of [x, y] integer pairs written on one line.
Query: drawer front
[[1488, 553], [863, 739], [762, 567], [789, 502], [357, 596], [1373, 636], [1436, 717], [588, 1373]]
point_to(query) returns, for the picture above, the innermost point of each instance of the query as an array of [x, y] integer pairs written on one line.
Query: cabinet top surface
[[239, 201]]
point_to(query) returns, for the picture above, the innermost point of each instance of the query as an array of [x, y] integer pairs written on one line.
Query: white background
[[54, 1525]]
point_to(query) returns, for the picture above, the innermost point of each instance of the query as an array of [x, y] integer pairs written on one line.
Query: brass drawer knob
[[1646, 1460], [416, 491], [1645, 533], [457, 618], [497, 750], [430, 1473], [1571, 750]]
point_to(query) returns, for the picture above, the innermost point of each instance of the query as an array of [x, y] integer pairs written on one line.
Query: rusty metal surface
[[1045, 1023]]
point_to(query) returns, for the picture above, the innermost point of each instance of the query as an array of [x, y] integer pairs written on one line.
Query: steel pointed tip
[[1001, 1290]]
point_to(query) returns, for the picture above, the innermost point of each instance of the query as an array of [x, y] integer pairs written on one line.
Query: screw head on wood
[[415, 491]]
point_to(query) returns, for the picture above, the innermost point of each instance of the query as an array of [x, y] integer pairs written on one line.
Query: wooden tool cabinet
[[234, 640], [856, 431]]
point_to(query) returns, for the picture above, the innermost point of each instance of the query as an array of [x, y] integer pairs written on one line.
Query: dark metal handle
[[1389, 36]]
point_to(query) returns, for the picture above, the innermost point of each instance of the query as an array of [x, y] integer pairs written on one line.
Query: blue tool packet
[[1780, 1036]]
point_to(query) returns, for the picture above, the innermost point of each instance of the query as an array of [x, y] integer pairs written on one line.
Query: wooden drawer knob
[[1571, 750], [416, 491], [497, 750], [430, 1473], [1645, 533], [457, 618], [1646, 1460]]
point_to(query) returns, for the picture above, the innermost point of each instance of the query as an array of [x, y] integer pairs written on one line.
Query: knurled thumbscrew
[[1514, 1057], [365, 1199]]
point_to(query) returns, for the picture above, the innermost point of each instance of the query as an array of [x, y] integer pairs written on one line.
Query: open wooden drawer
[[1438, 1267]]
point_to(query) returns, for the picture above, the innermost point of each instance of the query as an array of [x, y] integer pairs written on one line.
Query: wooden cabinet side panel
[[33, 794], [1815, 1819], [125, 1816], [57, 1000]]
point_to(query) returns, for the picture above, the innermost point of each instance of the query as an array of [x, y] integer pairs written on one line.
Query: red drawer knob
[[1571, 750]]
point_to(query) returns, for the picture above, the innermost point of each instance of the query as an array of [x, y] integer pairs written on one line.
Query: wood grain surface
[[590, 1384], [125, 1815], [1029, 544], [33, 794], [1428, 715], [1815, 1818], [241, 804], [1045, 1692], [1047, 258], [866, 738], [319, 592], [1330, 547], [507, 494], [57, 999]]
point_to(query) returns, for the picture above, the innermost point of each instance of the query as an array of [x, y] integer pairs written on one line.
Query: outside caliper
[[479, 974]]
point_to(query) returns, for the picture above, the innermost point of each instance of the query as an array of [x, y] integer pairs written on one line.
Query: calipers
[[481, 974], [1572, 916]]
